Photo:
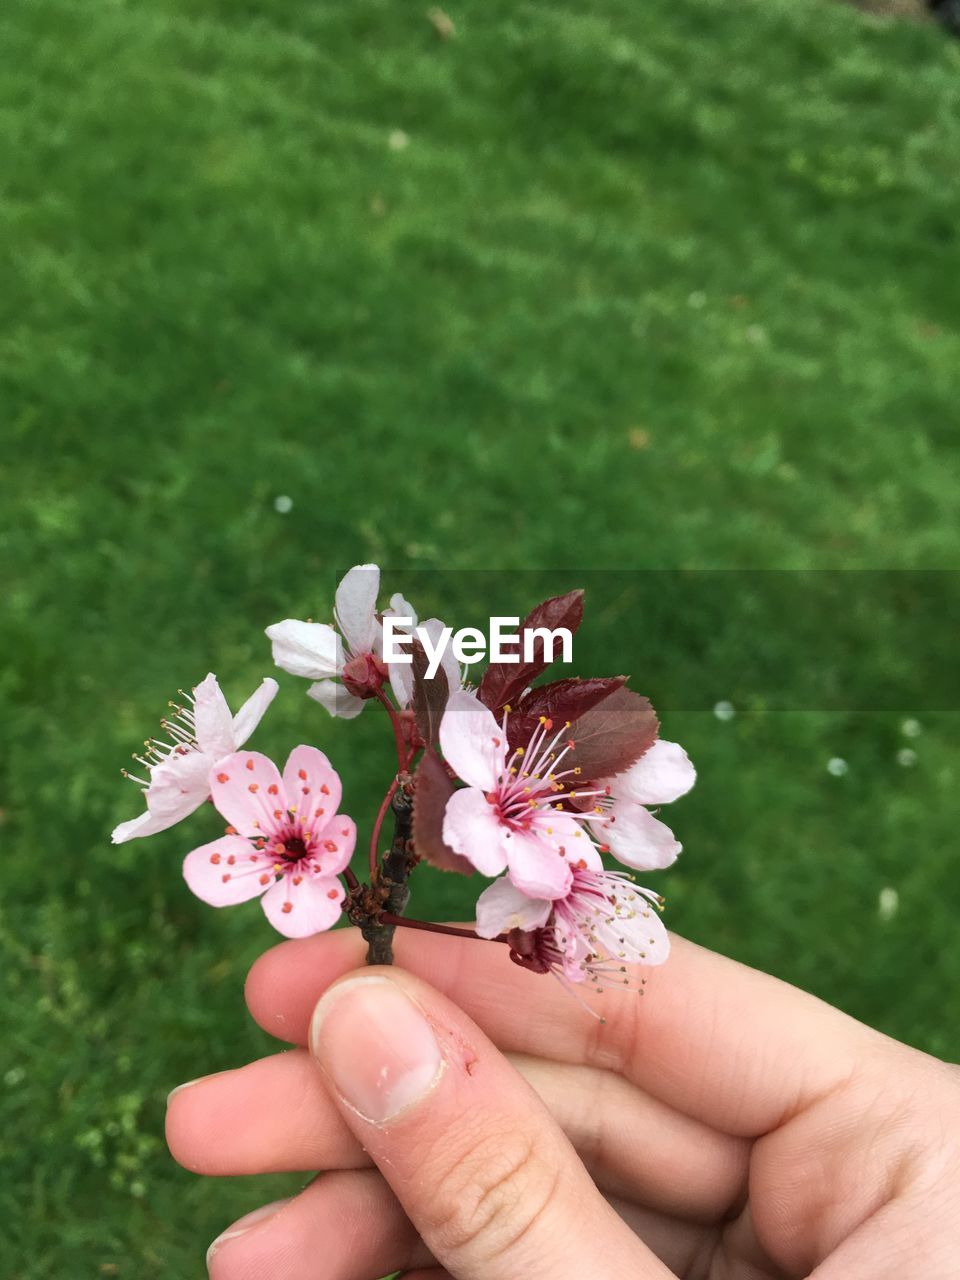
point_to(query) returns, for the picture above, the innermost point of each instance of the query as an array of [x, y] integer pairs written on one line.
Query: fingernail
[[188, 1084], [243, 1225], [376, 1046]]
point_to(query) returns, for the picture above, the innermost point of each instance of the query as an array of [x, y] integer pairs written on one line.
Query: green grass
[[658, 286]]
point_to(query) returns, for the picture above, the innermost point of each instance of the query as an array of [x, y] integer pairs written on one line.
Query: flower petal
[[335, 699], [309, 649], [356, 607], [536, 867], [145, 824], [248, 790], [212, 720], [341, 832], [252, 711], [472, 742], [312, 787], [298, 910], [502, 907], [662, 774], [227, 871], [471, 827], [636, 838], [179, 785]]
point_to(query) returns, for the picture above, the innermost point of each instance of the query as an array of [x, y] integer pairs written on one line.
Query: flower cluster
[[528, 783]]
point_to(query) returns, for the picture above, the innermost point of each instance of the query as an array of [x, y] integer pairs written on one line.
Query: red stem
[[428, 926], [378, 823], [402, 754]]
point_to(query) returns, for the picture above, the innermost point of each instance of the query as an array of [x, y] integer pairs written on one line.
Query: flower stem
[[378, 823], [402, 753], [428, 926]]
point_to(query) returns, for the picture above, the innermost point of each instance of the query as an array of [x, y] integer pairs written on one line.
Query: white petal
[[212, 720], [179, 785], [472, 742], [147, 824], [401, 608], [252, 711], [309, 649], [636, 838], [502, 907], [401, 682], [471, 828], [356, 607], [336, 699], [662, 774]]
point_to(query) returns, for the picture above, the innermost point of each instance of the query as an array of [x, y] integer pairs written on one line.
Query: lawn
[[575, 295]]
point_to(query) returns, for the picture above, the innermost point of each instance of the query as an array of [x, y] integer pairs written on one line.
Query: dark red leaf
[[560, 700], [504, 681], [429, 695], [612, 736], [432, 789]]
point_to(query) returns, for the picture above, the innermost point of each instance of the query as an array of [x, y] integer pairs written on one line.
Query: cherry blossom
[[200, 733], [345, 661], [286, 842], [507, 817], [602, 924]]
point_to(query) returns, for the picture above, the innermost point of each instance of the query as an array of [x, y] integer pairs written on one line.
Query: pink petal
[[309, 649], [662, 774], [356, 607], [636, 837], [214, 724], [471, 827], [340, 833], [297, 911], [312, 786], [335, 699], [252, 711], [472, 742], [502, 907], [247, 789], [536, 867], [214, 878]]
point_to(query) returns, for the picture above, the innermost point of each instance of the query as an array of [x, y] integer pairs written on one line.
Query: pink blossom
[[286, 841], [200, 733], [604, 923], [508, 816], [620, 821]]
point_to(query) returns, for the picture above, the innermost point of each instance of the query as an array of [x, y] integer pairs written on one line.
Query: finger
[[271, 1116], [276, 1115], [476, 1161], [345, 1226], [722, 1043]]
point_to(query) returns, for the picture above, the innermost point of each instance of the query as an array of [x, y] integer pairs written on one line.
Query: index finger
[[723, 1043]]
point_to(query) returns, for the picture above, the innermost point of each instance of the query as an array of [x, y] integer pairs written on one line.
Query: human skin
[[470, 1120]]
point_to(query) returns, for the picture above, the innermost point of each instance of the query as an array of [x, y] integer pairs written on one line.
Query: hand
[[724, 1126]]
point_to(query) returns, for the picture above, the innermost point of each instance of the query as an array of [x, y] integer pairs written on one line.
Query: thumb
[[481, 1168]]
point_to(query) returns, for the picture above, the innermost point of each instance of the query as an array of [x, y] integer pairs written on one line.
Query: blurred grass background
[[658, 286]]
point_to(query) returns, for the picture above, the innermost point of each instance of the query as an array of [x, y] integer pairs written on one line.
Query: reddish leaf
[[432, 789], [504, 681], [429, 695], [560, 700], [612, 736]]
